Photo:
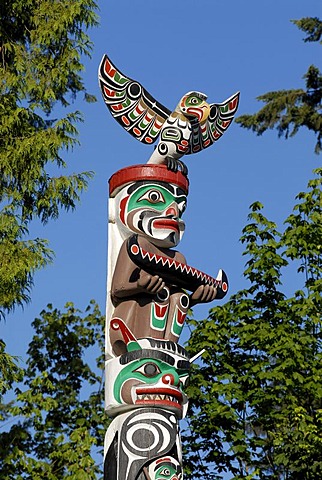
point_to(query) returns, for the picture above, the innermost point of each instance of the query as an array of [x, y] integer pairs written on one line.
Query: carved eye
[[149, 370], [162, 148], [165, 471], [153, 196], [194, 100]]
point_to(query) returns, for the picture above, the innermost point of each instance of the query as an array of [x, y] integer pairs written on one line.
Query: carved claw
[[174, 165]]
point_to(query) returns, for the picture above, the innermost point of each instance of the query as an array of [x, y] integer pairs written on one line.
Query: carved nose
[[168, 379], [172, 211]]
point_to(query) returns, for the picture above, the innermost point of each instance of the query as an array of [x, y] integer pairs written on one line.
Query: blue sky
[[171, 47]]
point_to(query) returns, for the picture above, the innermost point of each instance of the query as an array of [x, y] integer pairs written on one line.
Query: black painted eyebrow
[[169, 345], [146, 353], [176, 191]]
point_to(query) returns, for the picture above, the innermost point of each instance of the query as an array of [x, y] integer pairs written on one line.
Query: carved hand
[[203, 294], [150, 283]]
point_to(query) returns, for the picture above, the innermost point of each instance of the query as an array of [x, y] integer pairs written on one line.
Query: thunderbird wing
[[220, 117], [130, 103]]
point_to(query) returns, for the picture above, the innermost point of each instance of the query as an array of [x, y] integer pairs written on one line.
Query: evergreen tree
[[289, 110], [41, 45]]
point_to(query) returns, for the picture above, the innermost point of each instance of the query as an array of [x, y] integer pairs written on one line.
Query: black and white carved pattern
[[145, 118], [131, 104], [146, 434], [221, 116]]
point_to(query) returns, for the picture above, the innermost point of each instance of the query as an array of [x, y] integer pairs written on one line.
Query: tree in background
[[289, 110], [257, 397], [54, 428], [41, 45]]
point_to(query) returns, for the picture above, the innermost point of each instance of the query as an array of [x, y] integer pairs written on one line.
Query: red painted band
[[148, 172]]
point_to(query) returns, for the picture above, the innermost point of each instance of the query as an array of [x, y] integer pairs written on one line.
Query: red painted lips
[[159, 396], [166, 224]]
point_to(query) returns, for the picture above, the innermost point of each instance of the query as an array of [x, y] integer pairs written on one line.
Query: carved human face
[[149, 378], [153, 209]]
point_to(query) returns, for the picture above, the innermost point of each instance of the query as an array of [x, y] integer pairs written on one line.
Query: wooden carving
[[150, 285], [191, 127]]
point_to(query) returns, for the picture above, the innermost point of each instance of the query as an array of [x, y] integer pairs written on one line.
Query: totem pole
[[150, 286]]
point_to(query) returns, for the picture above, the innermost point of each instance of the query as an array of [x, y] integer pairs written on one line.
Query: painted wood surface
[[150, 284]]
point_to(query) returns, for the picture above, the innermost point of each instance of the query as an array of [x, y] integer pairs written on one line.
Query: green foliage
[[9, 372], [41, 48], [289, 110], [257, 397], [57, 420], [312, 26], [19, 259], [52, 430]]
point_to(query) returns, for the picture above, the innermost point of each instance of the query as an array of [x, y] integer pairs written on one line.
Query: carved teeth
[[180, 266], [154, 397]]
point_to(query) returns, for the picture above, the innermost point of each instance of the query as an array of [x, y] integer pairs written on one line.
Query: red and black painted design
[[139, 113], [180, 274], [220, 117], [131, 104]]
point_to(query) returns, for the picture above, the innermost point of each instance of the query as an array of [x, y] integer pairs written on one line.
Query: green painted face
[[149, 371], [157, 198], [153, 374], [167, 468], [165, 472], [148, 378], [154, 210]]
